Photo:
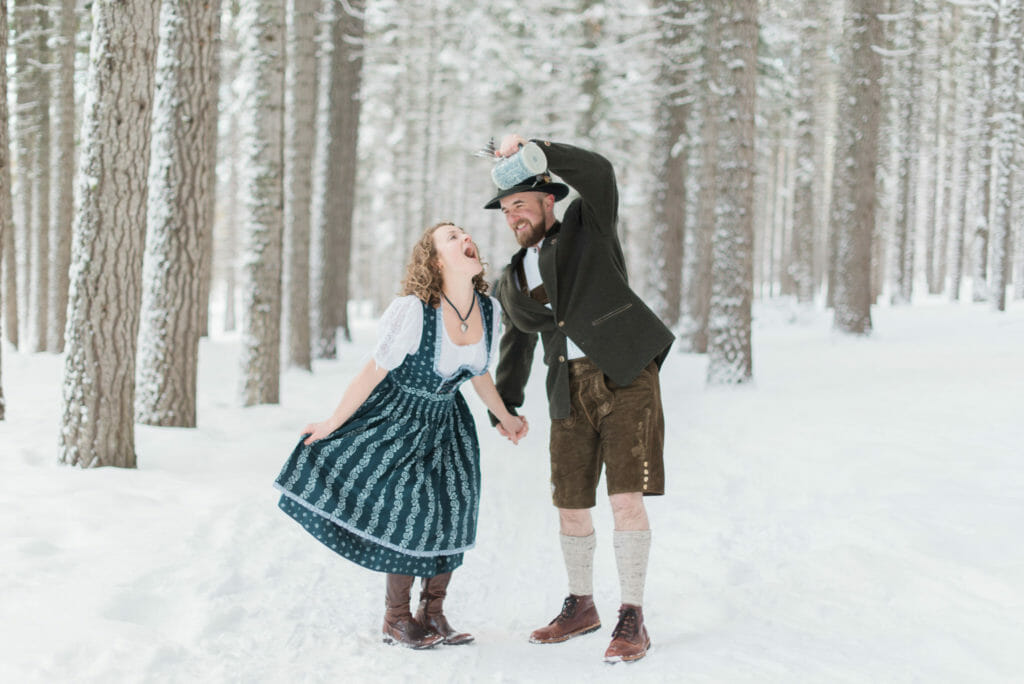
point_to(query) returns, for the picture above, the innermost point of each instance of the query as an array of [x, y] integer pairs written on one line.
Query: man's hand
[[510, 144], [513, 428]]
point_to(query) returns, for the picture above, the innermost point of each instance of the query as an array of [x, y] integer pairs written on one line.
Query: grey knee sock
[[631, 551], [579, 562]]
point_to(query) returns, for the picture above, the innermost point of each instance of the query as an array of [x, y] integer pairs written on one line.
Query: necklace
[[463, 320]]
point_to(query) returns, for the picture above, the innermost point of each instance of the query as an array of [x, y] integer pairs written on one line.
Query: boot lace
[[627, 625], [568, 609]]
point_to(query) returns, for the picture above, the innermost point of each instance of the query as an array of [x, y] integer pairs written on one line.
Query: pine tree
[[300, 136], [5, 180], [671, 154], [178, 220], [729, 331], [853, 197], [109, 238], [262, 30], [63, 173]]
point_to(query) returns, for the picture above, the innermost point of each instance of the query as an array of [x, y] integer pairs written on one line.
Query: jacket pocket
[[611, 314]]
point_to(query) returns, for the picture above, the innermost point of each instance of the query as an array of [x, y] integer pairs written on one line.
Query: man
[[603, 347]]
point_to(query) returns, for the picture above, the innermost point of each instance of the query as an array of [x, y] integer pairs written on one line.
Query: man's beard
[[531, 236]]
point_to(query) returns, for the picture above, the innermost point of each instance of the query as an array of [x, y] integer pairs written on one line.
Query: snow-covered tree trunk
[[967, 119], [109, 237], [6, 225], [212, 140], [39, 225], [262, 29], [909, 140], [27, 106], [801, 267], [62, 204], [982, 221], [1007, 123], [334, 232], [671, 154], [300, 137], [854, 188], [178, 218], [729, 331], [700, 305]]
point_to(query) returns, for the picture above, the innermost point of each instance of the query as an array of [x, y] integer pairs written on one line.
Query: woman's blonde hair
[[423, 273]]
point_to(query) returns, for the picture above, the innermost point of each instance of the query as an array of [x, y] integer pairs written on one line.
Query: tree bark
[[261, 28], [109, 238], [178, 218], [729, 330], [1007, 123], [335, 229], [62, 197], [5, 183], [853, 197], [707, 195], [300, 138], [671, 156]]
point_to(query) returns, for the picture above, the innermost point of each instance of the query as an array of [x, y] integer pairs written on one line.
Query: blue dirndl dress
[[397, 487]]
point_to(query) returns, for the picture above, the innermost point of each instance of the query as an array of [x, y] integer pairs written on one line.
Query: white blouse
[[400, 328]]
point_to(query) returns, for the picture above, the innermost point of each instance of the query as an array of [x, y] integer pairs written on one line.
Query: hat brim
[[559, 190]]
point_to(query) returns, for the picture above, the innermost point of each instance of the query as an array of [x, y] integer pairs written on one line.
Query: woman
[[391, 480]]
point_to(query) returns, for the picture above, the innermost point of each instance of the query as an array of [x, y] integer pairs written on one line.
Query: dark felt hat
[[539, 183]]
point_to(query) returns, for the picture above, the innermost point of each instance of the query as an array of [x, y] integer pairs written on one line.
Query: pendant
[[464, 327]]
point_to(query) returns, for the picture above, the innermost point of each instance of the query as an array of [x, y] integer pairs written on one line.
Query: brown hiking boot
[[629, 638], [399, 626], [578, 617], [431, 613]]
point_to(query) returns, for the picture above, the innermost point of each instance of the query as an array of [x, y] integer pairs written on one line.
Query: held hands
[[513, 428], [510, 144], [317, 431]]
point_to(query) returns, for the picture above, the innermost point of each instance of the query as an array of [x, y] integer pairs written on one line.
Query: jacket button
[[561, 359], [561, 324]]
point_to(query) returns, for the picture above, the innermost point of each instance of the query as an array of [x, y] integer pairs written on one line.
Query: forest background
[[281, 156]]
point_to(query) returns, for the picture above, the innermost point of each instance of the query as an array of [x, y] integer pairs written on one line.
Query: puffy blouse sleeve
[[492, 353], [398, 332]]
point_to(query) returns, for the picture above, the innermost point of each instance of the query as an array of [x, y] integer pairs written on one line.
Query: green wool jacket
[[584, 274]]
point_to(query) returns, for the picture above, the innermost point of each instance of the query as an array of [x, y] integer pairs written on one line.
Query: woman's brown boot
[[431, 611], [399, 626]]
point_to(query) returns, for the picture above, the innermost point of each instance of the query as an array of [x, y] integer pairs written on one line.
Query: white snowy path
[[855, 516]]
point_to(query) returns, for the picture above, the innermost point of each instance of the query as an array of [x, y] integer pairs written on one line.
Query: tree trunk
[[5, 183], [729, 330], [178, 213], [62, 199], [261, 28], [983, 217], [671, 155], [853, 197], [26, 129], [109, 238], [906, 203], [300, 137], [340, 177], [707, 195], [39, 227], [1007, 116], [801, 267]]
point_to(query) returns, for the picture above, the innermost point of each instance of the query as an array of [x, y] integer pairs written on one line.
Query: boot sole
[[391, 641], [566, 637], [611, 660]]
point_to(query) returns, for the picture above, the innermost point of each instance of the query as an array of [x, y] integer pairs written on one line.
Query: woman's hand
[[514, 427], [317, 431]]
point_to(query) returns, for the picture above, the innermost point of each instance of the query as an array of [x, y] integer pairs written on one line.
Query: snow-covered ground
[[857, 515]]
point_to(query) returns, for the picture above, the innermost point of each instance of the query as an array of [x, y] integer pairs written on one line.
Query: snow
[[854, 515]]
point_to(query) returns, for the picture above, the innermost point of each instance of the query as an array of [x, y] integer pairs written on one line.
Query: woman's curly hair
[[423, 275]]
